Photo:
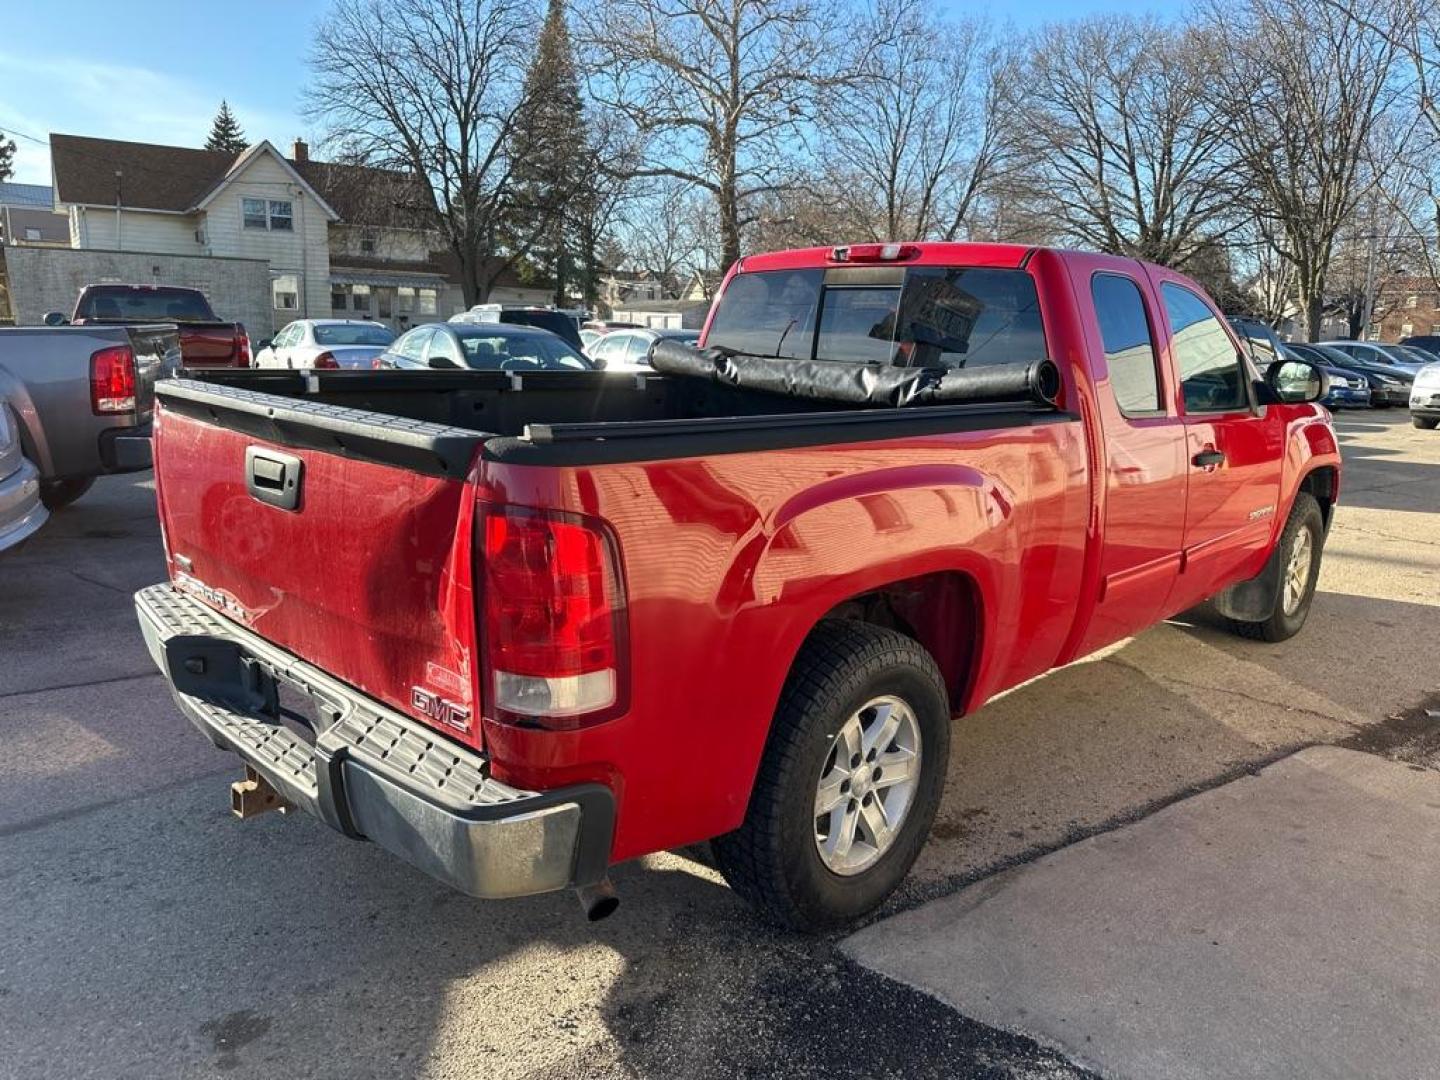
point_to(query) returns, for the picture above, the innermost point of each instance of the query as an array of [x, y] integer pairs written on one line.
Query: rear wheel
[[1298, 558], [56, 494], [850, 781], [1425, 423]]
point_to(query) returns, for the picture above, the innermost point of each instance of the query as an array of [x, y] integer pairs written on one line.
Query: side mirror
[[1297, 381], [55, 318]]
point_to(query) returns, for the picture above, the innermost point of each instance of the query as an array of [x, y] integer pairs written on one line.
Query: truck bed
[[435, 422]]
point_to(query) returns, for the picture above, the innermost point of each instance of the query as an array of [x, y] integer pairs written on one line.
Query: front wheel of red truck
[[850, 781], [1296, 564]]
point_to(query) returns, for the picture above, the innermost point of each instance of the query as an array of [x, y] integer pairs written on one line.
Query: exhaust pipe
[[598, 900], [254, 796]]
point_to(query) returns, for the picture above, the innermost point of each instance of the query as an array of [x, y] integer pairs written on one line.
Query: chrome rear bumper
[[373, 773]]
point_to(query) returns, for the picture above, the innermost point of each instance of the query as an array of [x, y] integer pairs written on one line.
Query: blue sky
[[157, 72]]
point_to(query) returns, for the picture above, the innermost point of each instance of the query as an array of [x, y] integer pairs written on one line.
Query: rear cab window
[[144, 303], [1129, 345], [918, 316]]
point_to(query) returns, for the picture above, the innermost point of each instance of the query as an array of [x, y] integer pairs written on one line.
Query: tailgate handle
[[272, 477]]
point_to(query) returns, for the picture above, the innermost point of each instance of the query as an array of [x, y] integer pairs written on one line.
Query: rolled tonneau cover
[[860, 384]]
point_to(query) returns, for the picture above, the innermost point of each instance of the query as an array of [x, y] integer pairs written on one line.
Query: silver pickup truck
[[82, 398]]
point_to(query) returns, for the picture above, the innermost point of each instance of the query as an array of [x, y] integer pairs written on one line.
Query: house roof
[[179, 179], [38, 196]]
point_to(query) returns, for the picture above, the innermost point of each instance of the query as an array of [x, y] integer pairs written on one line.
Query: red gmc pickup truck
[[516, 627], [205, 341]]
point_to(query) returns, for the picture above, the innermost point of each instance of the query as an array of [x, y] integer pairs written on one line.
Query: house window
[[405, 299], [32, 234], [253, 212], [368, 240], [339, 298], [360, 297], [1435, 328], [425, 302], [285, 290], [275, 214], [1412, 301], [1406, 329]]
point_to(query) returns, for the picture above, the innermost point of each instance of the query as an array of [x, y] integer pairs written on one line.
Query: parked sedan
[[325, 343], [1376, 352], [1389, 382], [1430, 343], [1348, 389], [456, 346], [21, 511], [1425, 398], [629, 350]]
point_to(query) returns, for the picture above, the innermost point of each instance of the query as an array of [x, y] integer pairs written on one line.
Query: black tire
[[772, 860], [1424, 423], [57, 494], [1279, 625]]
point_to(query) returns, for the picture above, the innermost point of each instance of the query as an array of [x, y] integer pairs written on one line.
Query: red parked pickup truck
[[205, 341], [517, 627]]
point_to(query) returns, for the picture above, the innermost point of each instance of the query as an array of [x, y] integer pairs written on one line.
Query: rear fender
[[860, 534]]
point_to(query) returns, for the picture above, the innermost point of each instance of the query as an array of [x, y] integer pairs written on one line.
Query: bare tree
[[662, 229], [913, 137], [718, 91], [1413, 27], [1304, 87], [432, 87], [1120, 136]]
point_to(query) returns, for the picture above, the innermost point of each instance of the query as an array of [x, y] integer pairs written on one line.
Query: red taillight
[[376, 365], [112, 380], [242, 347], [553, 618], [873, 252], [325, 360]]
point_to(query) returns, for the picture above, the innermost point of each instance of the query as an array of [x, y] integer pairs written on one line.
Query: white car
[[629, 350], [1425, 398], [325, 343]]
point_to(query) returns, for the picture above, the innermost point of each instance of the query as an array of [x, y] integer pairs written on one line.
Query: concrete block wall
[[49, 279]]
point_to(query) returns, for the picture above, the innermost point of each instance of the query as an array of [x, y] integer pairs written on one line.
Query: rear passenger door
[[1146, 473], [1234, 448]]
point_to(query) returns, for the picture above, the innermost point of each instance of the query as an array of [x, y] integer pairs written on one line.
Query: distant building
[[663, 314], [28, 216], [1412, 307], [334, 240]]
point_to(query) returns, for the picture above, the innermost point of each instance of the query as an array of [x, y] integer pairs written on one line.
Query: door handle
[[273, 478], [1208, 459]]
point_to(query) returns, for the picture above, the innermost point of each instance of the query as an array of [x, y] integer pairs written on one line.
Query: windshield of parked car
[[143, 304], [485, 350], [923, 316], [353, 334]]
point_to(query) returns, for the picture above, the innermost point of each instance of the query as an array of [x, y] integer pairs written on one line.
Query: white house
[[339, 240]]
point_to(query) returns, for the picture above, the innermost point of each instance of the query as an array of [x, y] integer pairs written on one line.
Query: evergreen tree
[[550, 150], [226, 133], [7, 158]]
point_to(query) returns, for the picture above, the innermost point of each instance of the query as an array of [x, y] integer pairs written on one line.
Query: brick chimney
[[301, 151]]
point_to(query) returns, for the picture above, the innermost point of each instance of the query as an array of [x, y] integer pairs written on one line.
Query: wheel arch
[[943, 611]]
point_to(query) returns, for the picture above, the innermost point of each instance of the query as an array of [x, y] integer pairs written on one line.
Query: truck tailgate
[[367, 576]]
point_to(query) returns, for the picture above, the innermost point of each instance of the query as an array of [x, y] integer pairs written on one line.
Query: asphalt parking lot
[[147, 933]]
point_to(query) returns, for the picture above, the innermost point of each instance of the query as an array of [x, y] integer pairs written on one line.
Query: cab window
[[1212, 373], [1129, 347]]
